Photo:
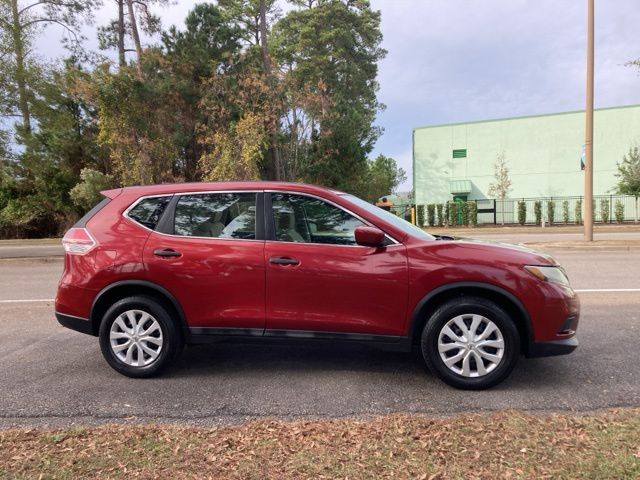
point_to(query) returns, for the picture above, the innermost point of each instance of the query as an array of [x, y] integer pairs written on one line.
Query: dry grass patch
[[500, 445]]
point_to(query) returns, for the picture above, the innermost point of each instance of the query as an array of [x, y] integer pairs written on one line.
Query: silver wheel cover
[[471, 345], [136, 338]]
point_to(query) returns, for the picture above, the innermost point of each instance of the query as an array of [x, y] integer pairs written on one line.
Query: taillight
[[78, 241]]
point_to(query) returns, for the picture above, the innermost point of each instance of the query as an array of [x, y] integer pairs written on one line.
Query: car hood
[[517, 253]]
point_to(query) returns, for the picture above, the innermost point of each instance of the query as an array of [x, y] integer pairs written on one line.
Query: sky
[[462, 60]]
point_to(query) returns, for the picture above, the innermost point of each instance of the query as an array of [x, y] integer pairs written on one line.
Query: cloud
[[463, 60]]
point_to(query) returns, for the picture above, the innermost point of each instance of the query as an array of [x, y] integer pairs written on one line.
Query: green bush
[[551, 211], [522, 212], [86, 194], [565, 211], [453, 213], [464, 206], [431, 214], [619, 211], [441, 220], [472, 207], [604, 210], [420, 215], [578, 212], [537, 211]]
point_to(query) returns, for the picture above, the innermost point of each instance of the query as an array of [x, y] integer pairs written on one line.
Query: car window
[[148, 211], [389, 217], [216, 215], [298, 218]]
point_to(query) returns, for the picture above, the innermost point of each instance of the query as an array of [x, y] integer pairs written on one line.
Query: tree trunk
[[121, 33], [266, 62], [136, 37], [21, 74]]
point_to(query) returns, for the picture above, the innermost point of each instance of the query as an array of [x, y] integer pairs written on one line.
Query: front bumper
[[552, 347], [75, 323]]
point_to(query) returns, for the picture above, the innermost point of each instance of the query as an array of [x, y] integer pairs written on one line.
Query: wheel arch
[[128, 288], [444, 293]]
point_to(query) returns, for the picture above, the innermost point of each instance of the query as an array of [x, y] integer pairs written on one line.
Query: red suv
[[150, 269]]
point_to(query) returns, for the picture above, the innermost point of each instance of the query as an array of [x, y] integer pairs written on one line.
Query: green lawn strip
[[499, 445]]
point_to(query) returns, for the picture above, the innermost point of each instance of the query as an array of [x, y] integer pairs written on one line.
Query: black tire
[[467, 305], [171, 341]]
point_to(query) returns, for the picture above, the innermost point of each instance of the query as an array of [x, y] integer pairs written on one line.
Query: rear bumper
[[75, 323], [552, 347]]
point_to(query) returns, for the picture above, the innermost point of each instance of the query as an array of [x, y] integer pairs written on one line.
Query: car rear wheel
[[138, 337], [470, 343]]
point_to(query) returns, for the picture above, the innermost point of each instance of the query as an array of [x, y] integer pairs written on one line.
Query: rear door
[[320, 280], [210, 256]]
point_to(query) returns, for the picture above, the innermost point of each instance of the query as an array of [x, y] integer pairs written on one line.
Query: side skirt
[[200, 335]]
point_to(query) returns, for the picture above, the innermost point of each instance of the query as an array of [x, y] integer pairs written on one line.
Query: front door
[[320, 280], [212, 262], [459, 199]]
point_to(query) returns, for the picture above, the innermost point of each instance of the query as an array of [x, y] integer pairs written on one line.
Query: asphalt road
[[53, 376], [30, 251]]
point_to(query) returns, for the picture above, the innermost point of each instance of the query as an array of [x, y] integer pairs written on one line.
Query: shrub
[[453, 213], [431, 214], [578, 212], [420, 215], [464, 206], [619, 211], [551, 211], [439, 208], [472, 207], [522, 212], [537, 211], [565, 211], [446, 213], [87, 193], [604, 210]]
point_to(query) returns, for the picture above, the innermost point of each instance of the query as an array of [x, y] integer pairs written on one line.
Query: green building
[[542, 152]]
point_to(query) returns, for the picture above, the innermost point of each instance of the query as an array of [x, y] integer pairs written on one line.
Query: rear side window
[[148, 211], [216, 215]]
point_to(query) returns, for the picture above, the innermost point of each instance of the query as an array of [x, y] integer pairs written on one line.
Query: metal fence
[[566, 210]]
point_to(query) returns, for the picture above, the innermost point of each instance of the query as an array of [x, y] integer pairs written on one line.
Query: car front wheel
[[470, 343], [138, 337]]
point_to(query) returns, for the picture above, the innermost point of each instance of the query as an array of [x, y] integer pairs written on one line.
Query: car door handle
[[166, 252], [284, 261]]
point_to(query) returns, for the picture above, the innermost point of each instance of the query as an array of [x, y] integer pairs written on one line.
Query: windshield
[[390, 218]]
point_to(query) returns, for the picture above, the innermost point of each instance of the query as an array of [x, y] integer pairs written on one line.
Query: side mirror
[[369, 236]]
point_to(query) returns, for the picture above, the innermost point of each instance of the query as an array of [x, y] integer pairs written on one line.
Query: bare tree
[[501, 187]]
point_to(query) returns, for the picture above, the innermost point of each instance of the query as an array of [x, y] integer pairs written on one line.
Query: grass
[[505, 445]]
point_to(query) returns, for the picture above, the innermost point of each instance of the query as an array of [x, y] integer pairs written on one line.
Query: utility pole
[[588, 142]]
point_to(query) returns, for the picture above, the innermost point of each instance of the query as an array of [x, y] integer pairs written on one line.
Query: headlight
[[548, 274]]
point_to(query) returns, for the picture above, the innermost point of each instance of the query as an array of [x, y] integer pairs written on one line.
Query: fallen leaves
[[499, 445]]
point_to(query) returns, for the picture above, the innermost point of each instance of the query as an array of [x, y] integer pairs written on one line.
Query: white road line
[[606, 290], [28, 301]]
